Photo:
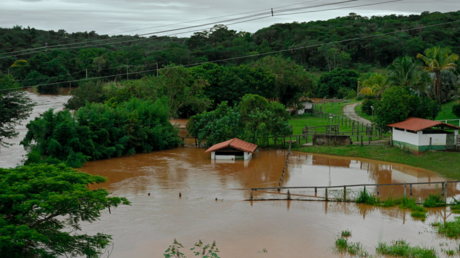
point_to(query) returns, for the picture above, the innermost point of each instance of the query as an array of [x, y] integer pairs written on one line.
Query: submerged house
[[307, 106], [232, 149], [420, 135]]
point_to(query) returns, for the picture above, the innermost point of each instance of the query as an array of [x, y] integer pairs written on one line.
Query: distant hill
[[377, 41]]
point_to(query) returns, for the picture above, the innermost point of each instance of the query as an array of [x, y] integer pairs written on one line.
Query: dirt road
[[349, 111]]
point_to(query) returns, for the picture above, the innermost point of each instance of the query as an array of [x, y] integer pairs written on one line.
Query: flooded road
[[242, 228], [14, 155]]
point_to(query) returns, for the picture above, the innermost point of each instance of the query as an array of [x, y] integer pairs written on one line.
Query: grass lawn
[[335, 108], [446, 112], [444, 163]]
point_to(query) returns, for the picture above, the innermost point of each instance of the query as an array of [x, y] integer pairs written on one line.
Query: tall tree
[[438, 59], [15, 106], [405, 72], [374, 86], [42, 207]]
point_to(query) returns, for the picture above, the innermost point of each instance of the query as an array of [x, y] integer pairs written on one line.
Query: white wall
[[229, 157], [247, 155], [403, 136], [436, 139]]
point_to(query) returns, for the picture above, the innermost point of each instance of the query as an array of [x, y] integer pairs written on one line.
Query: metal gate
[[450, 141]]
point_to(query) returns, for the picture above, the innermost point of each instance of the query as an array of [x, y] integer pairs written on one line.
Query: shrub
[[367, 198], [449, 228], [418, 215], [402, 249], [346, 233], [366, 107], [433, 201]]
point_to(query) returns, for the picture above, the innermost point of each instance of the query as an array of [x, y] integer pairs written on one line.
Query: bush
[[366, 106], [401, 248], [367, 198], [433, 201], [456, 110], [330, 83], [449, 228], [87, 92]]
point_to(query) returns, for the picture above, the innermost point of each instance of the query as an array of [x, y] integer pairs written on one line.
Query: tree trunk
[[438, 85]]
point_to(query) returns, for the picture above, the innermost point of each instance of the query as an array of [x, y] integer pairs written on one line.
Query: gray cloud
[[116, 16]]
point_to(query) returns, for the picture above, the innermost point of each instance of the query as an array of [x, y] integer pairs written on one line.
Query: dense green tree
[[438, 59], [397, 104], [291, 81], [248, 121], [405, 72], [100, 131], [330, 83], [87, 92], [42, 207], [15, 106]]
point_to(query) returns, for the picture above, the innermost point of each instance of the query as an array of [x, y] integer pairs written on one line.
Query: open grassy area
[[444, 163], [335, 108], [446, 112]]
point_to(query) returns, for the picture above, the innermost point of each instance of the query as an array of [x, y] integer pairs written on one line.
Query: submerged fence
[[346, 188]]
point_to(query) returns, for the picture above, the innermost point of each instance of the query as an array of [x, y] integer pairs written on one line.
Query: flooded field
[[212, 204], [243, 228]]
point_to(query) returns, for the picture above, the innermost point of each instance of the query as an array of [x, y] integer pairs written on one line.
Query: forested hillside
[[355, 42]]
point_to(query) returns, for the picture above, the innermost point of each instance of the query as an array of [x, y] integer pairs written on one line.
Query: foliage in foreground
[[401, 248], [14, 106], [40, 203], [199, 249], [99, 131], [342, 245]]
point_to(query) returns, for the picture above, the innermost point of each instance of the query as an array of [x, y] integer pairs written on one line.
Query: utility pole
[[272, 11]]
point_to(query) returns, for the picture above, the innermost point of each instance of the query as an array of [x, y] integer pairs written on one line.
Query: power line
[[247, 56], [265, 15]]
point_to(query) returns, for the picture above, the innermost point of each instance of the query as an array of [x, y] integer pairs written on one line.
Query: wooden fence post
[[326, 194], [404, 189], [410, 189], [378, 190], [362, 141], [445, 192], [344, 193]]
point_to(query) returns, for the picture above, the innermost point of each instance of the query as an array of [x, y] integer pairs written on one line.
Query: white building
[[307, 106], [420, 135], [232, 150]]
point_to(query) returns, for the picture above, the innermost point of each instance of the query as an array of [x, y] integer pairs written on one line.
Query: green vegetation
[[254, 120], [447, 111], [142, 53], [345, 233], [99, 131], [42, 207], [397, 104], [433, 161], [353, 249], [14, 107], [199, 249], [338, 83], [401, 248], [418, 215], [449, 228], [367, 198], [433, 201]]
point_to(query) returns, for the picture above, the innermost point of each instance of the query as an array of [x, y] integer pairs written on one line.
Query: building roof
[[234, 143], [418, 124]]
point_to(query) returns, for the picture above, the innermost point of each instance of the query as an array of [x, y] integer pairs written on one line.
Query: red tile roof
[[418, 124], [234, 143]]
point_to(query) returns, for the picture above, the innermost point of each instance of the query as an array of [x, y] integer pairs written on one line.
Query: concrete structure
[[307, 106], [232, 149], [420, 135]]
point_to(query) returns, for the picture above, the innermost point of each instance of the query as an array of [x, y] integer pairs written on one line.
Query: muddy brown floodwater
[[242, 228]]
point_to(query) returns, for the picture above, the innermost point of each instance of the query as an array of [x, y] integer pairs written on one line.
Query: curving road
[[349, 111]]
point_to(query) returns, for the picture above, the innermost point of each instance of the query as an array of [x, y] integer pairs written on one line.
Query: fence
[[444, 191], [447, 121]]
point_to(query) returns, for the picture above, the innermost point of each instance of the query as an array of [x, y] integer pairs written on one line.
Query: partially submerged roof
[[234, 143], [418, 124]]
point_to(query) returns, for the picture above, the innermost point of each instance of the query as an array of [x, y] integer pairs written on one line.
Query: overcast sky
[[138, 16]]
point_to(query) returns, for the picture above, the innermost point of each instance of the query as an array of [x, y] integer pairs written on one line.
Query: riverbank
[[445, 163]]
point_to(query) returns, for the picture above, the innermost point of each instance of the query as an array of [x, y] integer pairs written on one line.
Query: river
[[212, 204]]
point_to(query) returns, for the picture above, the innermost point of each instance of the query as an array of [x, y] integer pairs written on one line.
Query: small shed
[[232, 149], [420, 135], [307, 104]]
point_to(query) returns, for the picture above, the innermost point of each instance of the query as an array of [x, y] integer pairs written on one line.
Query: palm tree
[[438, 59], [374, 86], [405, 72]]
